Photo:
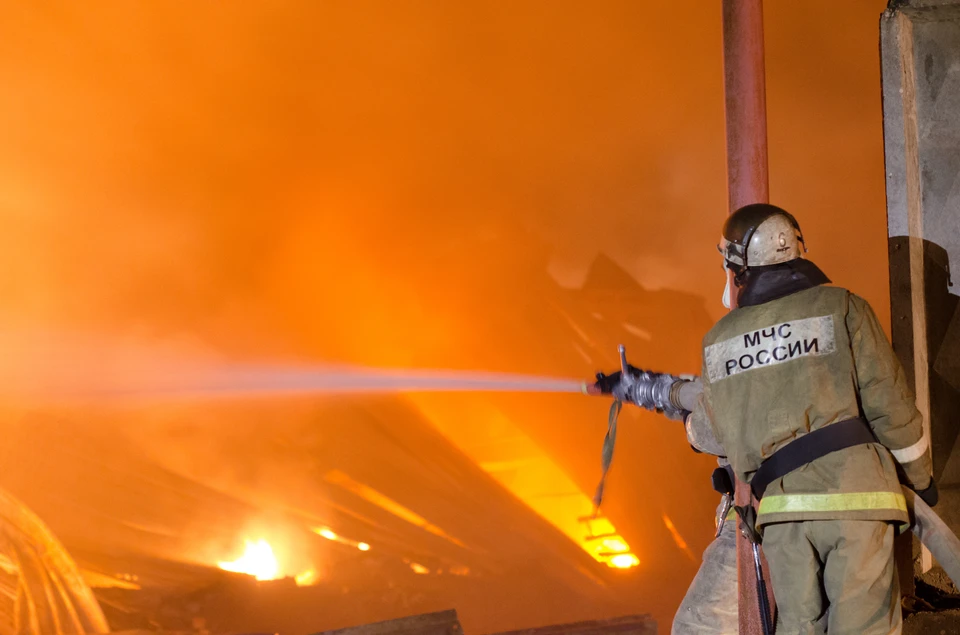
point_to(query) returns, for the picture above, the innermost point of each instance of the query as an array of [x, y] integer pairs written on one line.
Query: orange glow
[[412, 185], [529, 473], [102, 581], [615, 544], [677, 538], [257, 560], [260, 561], [624, 561], [606, 546], [331, 535], [419, 569], [307, 578], [371, 495]]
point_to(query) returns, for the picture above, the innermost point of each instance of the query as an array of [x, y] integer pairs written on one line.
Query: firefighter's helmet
[[758, 235]]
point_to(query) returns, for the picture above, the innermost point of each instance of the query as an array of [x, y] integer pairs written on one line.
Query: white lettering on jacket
[[770, 346]]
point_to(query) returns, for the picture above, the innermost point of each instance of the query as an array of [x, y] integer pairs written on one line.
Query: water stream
[[259, 381], [49, 367]]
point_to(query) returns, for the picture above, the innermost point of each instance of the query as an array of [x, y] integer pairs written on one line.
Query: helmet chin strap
[[727, 295]]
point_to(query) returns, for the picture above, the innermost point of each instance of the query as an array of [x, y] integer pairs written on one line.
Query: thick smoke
[[400, 185]]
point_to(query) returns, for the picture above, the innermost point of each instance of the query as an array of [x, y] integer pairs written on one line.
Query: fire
[[624, 561], [257, 560], [419, 569], [307, 578], [330, 534], [607, 546], [615, 545], [522, 467]]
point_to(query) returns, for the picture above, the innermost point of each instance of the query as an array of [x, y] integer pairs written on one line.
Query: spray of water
[[265, 381], [52, 367]]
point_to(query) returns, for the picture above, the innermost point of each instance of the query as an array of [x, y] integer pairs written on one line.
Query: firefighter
[[803, 395]]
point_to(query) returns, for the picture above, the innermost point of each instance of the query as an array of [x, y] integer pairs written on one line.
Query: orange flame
[[624, 561], [307, 578], [257, 560]]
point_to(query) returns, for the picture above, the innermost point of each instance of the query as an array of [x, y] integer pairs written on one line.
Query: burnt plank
[[440, 623], [627, 625]]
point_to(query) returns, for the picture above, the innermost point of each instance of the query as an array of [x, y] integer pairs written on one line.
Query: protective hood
[[763, 284], [727, 295]]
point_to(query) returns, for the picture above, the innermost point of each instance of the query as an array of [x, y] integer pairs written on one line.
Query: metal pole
[[747, 182], [745, 102]]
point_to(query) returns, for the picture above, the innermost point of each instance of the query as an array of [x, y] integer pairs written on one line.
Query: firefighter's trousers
[[844, 565], [710, 605]]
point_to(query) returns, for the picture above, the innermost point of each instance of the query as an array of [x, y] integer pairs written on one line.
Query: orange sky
[[351, 181]]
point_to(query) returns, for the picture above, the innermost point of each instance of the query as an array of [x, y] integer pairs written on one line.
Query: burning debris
[[354, 519], [257, 560]]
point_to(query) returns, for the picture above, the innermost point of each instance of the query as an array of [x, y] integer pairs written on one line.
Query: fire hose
[[930, 529]]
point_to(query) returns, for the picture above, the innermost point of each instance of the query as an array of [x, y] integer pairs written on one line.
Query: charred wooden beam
[[441, 623]]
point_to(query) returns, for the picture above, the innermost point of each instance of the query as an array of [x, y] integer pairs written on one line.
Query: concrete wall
[[920, 53]]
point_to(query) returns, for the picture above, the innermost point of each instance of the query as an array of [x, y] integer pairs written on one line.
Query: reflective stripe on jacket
[[775, 371]]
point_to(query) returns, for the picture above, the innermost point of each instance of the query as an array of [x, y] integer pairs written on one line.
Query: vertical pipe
[[747, 182], [745, 103]]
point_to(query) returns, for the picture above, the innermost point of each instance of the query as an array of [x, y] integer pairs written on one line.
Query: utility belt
[[796, 454], [809, 448]]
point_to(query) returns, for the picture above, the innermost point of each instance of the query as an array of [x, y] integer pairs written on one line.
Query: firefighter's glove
[[930, 495], [608, 383]]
